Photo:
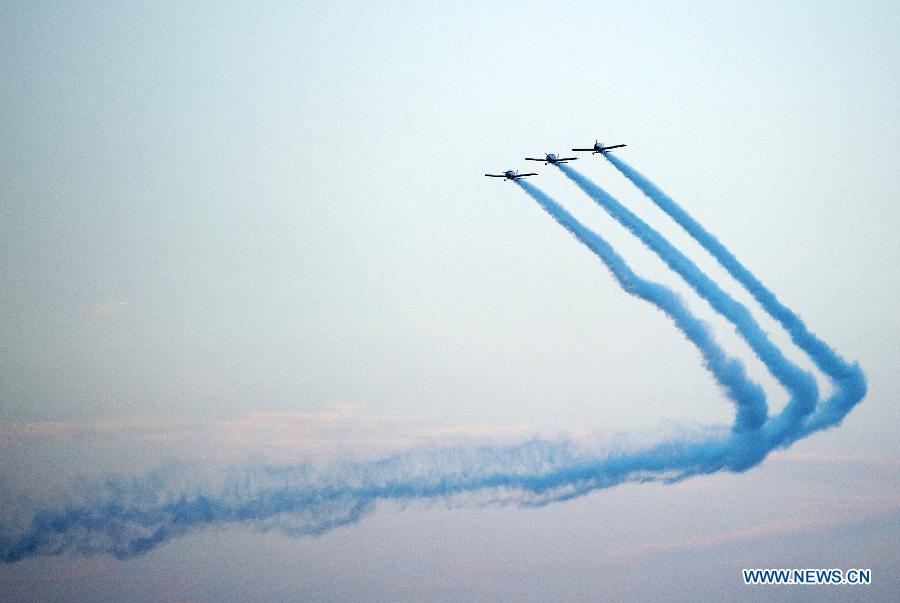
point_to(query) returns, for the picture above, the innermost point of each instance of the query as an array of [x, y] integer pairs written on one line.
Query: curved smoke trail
[[849, 381], [801, 385], [747, 395], [127, 518]]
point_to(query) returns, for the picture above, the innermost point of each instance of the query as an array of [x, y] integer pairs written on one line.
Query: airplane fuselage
[[599, 148], [510, 175], [551, 158]]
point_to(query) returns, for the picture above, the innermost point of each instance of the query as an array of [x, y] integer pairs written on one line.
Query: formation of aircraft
[[510, 175], [553, 158]]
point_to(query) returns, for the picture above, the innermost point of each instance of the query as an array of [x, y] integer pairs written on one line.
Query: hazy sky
[[213, 209]]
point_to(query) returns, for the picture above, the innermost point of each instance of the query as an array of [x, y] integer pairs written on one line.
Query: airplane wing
[[523, 175], [614, 146], [567, 159], [496, 175], [582, 149], [535, 159]]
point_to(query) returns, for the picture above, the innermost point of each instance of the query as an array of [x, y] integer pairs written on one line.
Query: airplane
[[510, 175], [599, 148], [552, 158]]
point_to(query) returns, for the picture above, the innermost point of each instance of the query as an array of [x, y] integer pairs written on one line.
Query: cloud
[[142, 442], [847, 510]]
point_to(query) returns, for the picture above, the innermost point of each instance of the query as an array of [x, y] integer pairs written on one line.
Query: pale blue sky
[[271, 196], [215, 208]]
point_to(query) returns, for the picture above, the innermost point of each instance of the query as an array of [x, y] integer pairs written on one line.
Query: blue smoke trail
[[132, 518], [747, 395], [801, 385], [744, 452], [849, 381], [131, 521]]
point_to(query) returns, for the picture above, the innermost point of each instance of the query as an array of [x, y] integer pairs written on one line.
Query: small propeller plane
[[599, 148], [552, 158], [510, 175]]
